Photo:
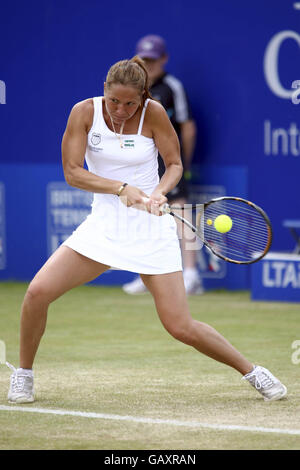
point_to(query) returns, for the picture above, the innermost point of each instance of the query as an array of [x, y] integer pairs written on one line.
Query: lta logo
[[2, 92]]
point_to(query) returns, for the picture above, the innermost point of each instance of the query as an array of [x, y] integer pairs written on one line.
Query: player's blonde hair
[[130, 72]]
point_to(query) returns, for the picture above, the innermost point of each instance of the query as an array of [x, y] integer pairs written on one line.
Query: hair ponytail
[[137, 60]]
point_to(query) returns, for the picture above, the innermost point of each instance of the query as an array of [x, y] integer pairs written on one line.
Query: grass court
[[126, 384]]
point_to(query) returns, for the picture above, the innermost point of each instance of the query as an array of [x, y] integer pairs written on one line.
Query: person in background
[[169, 91]]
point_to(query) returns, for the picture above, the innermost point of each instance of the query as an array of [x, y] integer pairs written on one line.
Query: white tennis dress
[[113, 234]]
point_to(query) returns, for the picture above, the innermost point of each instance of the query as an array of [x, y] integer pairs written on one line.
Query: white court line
[[137, 419]]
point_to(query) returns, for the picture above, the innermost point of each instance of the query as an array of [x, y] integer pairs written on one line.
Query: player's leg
[[171, 303], [64, 270]]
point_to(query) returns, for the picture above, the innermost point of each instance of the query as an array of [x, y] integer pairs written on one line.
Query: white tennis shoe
[[21, 388], [135, 287], [192, 282], [266, 384]]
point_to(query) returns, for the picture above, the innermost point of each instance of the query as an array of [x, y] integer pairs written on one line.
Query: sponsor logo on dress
[[96, 138], [129, 143]]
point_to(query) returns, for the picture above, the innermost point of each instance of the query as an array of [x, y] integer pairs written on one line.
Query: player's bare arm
[[73, 151], [168, 146]]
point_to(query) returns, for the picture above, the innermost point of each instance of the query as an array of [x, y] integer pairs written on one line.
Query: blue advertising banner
[[239, 63], [2, 228], [66, 208], [276, 278]]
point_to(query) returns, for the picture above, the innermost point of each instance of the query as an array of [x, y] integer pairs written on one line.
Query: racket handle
[[164, 208]]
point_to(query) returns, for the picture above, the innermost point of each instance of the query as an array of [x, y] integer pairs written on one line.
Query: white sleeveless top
[[135, 163], [113, 234]]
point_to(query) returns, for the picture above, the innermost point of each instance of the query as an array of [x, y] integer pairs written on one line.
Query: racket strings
[[231, 243], [249, 236], [257, 233]]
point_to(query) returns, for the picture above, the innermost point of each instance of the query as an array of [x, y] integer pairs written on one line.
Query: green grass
[[106, 352]]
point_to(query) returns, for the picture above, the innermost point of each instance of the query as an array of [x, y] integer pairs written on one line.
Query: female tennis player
[[119, 136]]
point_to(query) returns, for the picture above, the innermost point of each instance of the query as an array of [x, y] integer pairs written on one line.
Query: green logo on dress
[[129, 143]]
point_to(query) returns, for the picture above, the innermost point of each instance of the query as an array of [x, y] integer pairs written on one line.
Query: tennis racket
[[248, 239]]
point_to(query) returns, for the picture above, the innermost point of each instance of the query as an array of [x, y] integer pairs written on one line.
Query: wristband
[[121, 188]]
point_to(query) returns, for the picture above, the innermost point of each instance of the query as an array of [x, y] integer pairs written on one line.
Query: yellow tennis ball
[[209, 222], [223, 223]]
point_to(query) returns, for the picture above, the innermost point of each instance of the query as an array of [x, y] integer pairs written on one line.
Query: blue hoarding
[[238, 61], [2, 227], [276, 278]]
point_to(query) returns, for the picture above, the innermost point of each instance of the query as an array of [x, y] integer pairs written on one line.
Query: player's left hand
[[156, 200]]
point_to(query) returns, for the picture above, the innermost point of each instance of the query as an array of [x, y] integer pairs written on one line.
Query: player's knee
[[37, 292], [182, 332]]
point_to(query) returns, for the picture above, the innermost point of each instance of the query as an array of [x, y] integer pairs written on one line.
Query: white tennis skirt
[[128, 239]]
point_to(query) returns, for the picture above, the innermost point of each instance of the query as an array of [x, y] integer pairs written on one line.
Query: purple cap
[[151, 47]]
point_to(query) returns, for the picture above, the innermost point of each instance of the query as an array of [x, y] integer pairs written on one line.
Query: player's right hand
[[133, 196]]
